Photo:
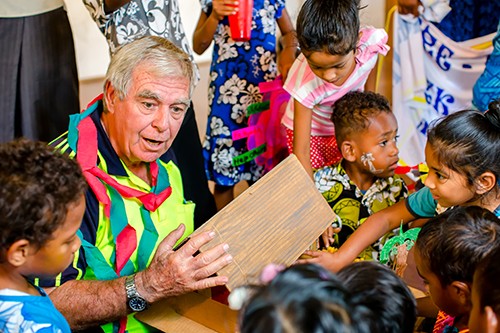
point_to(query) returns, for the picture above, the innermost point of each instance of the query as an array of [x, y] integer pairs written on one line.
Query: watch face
[[137, 304]]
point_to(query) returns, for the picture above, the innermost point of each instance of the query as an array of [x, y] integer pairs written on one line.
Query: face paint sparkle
[[367, 159]]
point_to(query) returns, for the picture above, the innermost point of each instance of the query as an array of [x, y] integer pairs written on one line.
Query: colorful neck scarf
[[82, 138]]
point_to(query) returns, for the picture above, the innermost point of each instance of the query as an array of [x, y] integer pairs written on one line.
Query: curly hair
[[376, 287], [330, 26], [486, 281], [37, 187], [453, 243], [468, 142], [352, 113], [302, 298]]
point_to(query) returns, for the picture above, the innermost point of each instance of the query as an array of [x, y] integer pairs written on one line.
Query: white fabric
[[432, 77], [21, 8], [435, 10]]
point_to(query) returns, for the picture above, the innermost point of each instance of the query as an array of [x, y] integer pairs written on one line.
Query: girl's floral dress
[[237, 69]]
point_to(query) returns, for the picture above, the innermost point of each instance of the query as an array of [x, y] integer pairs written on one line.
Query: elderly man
[[123, 21], [135, 211]]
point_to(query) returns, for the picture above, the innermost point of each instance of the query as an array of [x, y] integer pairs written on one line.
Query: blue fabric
[[236, 71], [487, 87], [470, 19], [28, 313], [422, 204]]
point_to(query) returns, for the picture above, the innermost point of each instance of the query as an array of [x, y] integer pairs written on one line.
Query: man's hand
[[173, 273]]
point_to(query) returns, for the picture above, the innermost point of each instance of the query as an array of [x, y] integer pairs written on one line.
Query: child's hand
[[331, 261], [223, 8], [285, 60], [328, 236]]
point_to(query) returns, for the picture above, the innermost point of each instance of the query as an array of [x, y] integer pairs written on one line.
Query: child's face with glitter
[[376, 147]]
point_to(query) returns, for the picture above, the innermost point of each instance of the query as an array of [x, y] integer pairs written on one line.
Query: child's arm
[[372, 229], [207, 25], [289, 43], [302, 117], [371, 82]]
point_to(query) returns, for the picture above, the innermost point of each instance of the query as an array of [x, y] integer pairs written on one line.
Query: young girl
[[336, 58], [485, 313], [236, 71], [463, 156]]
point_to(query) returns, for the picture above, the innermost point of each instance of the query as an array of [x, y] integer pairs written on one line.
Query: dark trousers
[[38, 76]]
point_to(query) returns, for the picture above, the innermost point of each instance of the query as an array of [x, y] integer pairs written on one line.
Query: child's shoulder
[[373, 39]]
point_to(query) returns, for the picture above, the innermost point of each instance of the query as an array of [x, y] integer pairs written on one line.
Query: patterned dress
[[354, 206], [237, 69]]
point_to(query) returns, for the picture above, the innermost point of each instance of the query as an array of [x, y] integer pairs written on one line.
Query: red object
[[241, 22]]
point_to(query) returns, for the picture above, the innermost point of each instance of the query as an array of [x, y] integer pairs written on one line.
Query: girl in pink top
[[337, 57]]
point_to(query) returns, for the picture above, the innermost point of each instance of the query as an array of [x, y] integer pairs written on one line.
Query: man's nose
[[161, 120]]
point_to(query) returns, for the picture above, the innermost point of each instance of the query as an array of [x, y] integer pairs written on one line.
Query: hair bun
[[493, 114]]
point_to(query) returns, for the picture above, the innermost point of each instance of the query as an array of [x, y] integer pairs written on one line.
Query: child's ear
[[485, 182], [18, 252], [462, 292], [347, 148], [491, 320]]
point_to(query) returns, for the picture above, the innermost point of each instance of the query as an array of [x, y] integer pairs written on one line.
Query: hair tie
[[493, 114]]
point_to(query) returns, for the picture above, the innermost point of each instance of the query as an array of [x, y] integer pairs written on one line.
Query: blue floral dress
[[237, 69]]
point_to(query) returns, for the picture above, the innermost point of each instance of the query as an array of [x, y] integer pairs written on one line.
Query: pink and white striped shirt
[[311, 91]]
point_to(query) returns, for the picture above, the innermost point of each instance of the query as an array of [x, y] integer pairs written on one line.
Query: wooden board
[[192, 312], [274, 220]]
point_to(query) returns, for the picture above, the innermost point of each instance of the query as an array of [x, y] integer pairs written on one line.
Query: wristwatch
[[135, 301]]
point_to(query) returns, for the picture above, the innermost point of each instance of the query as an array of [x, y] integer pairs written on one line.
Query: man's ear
[[485, 182], [347, 149], [18, 252], [491, 320], [461, 292], [110, 96]]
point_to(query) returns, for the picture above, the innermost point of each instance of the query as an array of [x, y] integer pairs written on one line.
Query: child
[[447, 251], [41, 207], [236, 71], [485, 314], [463, 156], [376, 287], [336, 58], [363, 182], [302, 298]]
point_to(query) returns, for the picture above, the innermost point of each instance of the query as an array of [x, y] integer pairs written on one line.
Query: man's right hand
[[173, 273]]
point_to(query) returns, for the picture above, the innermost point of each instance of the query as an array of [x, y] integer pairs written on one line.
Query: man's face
[[143, 125]]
